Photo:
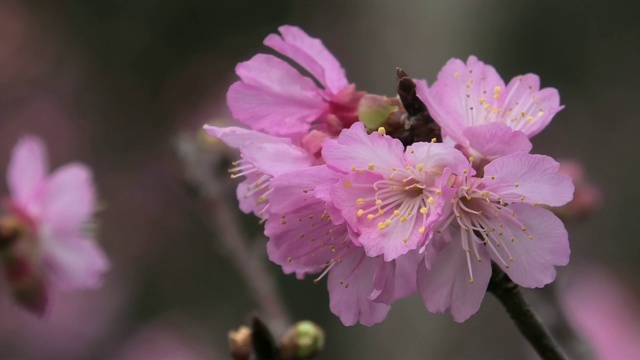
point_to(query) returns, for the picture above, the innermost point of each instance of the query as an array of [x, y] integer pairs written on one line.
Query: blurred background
[[113, 84]]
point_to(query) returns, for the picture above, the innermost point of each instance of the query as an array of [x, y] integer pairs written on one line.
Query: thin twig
[[522, 314], [200, 160]]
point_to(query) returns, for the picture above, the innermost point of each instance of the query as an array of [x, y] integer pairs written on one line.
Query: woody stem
[[529, 324]]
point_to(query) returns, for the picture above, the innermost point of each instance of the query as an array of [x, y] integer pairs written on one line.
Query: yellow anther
[[347, 184], [370, 216], [522, 198], [493, 177], [471, 281], [378, 202], [513, 239], [431, 200], [408, 168], [531, 237], [380, 225], [387, 222], [371, 166], [536, 203], [353, 168], [496, 92], [380, 211], [517, 184], [424, 210], [289, 260], [382, 131], [511, 259], [433, 140], [524, 228], [421, 230], [360, 212], [465, 171], [403, 219], [438, 192], [420, 167], [456, 74], [529, 118], [360, 201], [471, 159], [404, 240], [396, 213]]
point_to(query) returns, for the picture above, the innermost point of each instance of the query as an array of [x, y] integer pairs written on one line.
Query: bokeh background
[[113, 84]]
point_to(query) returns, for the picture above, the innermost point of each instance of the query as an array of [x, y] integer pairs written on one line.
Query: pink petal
[[304, 242], [446, 285], [275, 158], [522, 177], [451, 127], [435, 157], [68, 198], [236, 137], [250, 201], [384, 283], [496, 139], [535, 259], [295, 189], [27, 169], [74, 262], [302, 238], [530, 109], [355, 149], [274, 97], [463, 95], [311, 54], [350, 283], [406, 274]]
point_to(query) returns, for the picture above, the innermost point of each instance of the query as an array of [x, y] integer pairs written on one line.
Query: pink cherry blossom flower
[[272, 96], [389, 195], [307, 236], [53, 212], [496, 218], [263, 157], [475, 109]]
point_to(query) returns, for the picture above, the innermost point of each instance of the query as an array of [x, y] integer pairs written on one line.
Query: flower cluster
[[45, 235], [383, 219]]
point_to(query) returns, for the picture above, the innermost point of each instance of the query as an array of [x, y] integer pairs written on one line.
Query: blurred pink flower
[[473, 107], [272, 96], [587, 197], [53, 212], [166, 342], [604, 312], [389, 195], [496, 218]]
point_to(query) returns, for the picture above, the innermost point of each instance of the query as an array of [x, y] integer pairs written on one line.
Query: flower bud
[[303, 341], [240, 344], [375, 110]]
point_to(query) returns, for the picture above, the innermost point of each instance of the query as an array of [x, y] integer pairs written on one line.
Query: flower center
[[407, 196], [484, 219]]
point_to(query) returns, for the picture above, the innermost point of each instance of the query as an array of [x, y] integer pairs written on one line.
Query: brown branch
[[529, 324]]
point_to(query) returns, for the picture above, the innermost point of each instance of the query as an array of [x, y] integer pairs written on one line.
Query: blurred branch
[[201, 161], [522, 314]]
